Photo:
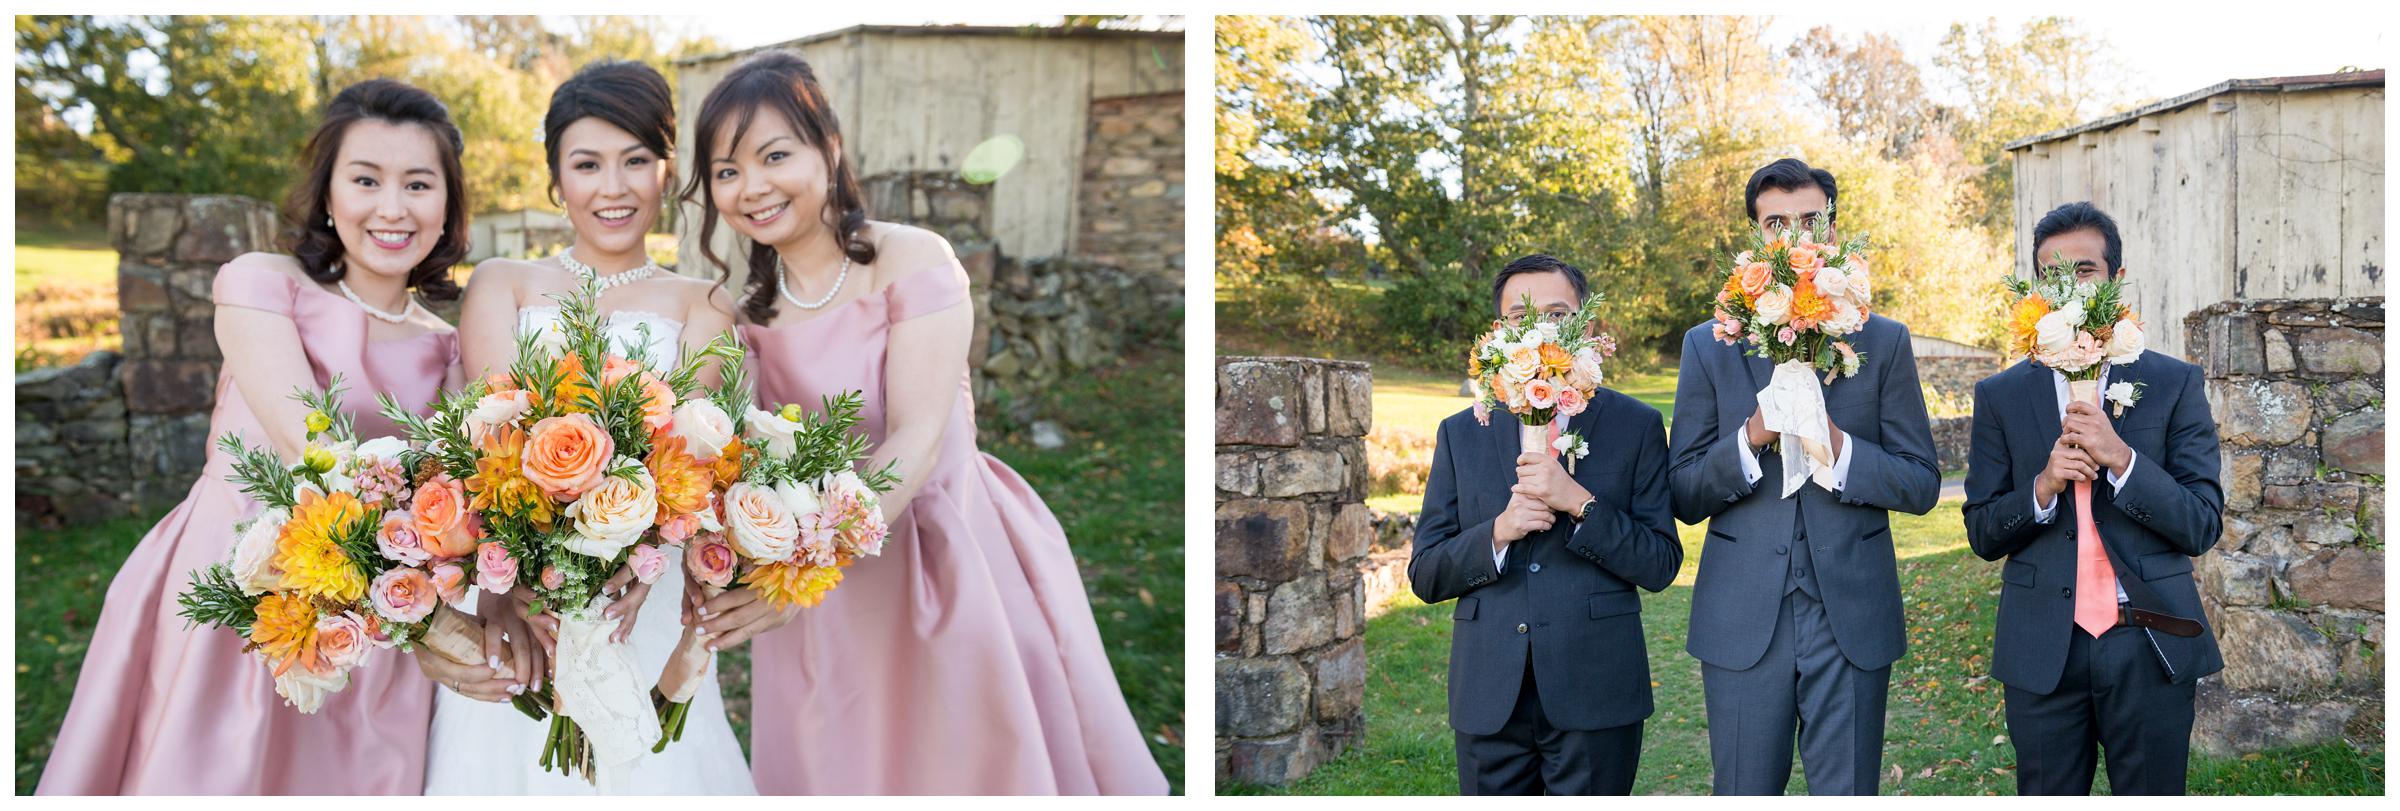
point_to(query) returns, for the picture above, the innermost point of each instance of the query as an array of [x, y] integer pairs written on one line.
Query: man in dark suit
[[1549, 679], [1796, 615], [2102, 666]]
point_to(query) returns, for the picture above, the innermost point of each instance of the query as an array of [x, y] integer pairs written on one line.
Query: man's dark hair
[[2076, 217], [1789, 174], [1539, 263]]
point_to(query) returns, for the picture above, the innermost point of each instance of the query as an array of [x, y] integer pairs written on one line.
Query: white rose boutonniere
[[2124, 395]]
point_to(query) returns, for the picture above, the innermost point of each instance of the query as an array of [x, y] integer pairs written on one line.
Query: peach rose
[[761, 522], [342, 640], [658, 404], [1541, 393], [1805, 257], [678, 529], [397, 539], [1754, 278], [495, 570], [1570, 401], [612, 516], [450, 582], [441, 518], [617, 368], [403, 595], [552, 578], [704, 427], [648, 562], [568, 455], [711, 561]]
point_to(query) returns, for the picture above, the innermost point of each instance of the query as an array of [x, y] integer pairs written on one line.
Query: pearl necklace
[[585, 272], [395, 318], [783, 284]]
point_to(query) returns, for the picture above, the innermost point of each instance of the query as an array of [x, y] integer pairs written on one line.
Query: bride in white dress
[[611, 181]]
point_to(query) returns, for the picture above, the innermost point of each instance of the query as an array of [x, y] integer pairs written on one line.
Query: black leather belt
[[2163, 623]]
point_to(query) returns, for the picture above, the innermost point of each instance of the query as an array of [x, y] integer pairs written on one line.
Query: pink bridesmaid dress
[[165, 709], [964, 660]]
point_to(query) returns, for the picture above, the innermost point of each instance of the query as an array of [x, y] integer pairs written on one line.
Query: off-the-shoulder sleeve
[[930, 290], [258, 288]]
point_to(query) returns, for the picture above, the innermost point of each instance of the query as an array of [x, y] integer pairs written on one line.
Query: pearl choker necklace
[[585, 272], [783, 284], [371, 310]]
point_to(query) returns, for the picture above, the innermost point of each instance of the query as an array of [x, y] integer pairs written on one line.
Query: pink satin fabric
[[964, 660], [161, 708]]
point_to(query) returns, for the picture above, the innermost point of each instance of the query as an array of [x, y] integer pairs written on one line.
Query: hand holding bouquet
[[796, 513], [1795, 300], [335, 566], [1538, 370]]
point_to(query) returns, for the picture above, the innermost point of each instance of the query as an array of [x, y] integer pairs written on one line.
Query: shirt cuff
[[1750, 469], [2043, 514], [1500, 560], [1841, 465], [2116, 483]]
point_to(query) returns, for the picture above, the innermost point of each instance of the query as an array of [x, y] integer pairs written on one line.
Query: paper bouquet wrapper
[[687, 669], [1794, 405], [597, 687], [458, 638], [1534, 439]]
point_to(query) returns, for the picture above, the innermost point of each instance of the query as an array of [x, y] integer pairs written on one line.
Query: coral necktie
[[2095, 580]]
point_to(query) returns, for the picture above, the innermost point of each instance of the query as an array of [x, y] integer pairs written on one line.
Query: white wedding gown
[[479, 747]]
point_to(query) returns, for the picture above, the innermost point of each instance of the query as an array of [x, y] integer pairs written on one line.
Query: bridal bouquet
[[577, 463], [2073, 327], [1795, 300], [795, 515], [336, 565], [1538, 370]]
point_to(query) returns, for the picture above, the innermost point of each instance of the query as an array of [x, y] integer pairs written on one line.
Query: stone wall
[[1953, 443], [1131, 211], [1954, 376], [169, 247], [1292, 530], [1384, 575], [2294, 587]]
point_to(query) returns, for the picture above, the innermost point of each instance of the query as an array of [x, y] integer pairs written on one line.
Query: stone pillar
[[169, 247], [1130, 214], [1291, 532], [2294, 587]]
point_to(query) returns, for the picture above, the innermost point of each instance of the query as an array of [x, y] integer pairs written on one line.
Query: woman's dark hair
[[1790, 174], [782, 83], [628, 95], [315, 242]]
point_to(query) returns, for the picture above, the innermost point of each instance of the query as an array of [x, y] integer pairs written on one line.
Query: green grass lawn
[[1944, 734], [1117, 487], [1418, 400], [66, 295]]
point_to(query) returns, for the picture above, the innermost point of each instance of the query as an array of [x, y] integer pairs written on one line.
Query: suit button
[[1801, 573], [1520, 627], [2068, 592], [1533, 568], [1783, 549]]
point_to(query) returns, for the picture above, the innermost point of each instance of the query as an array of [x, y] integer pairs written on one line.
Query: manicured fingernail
[[494, 663], [703, 630], [712, 648]]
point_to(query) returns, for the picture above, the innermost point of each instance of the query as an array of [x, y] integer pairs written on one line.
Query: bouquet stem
[[686, 668]]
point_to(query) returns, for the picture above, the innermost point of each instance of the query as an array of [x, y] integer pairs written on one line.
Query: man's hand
[[1523, 516], [1755, 430], [2068, 464], [2087, 428], [1541, 479]]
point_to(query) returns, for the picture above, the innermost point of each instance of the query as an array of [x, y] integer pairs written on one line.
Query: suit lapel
[[2128, 373], [2041, 387]]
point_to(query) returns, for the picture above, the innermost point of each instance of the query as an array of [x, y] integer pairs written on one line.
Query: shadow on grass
[[1944, 733]]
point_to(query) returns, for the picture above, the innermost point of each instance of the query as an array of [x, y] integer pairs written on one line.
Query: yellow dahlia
[[499, 485], [286, 631], [312, 562], [790, 583], [683, 482]]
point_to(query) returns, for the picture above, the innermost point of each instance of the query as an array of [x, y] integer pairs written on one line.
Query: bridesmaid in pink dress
[[162, 708], [964, 660]]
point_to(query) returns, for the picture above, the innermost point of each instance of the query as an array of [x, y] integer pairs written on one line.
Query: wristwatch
[[1585, 508]]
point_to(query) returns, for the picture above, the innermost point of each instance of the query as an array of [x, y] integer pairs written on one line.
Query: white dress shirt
[[2046, 513]]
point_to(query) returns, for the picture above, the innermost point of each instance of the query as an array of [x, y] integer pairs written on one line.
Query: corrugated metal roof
[[2280, 84], [1041, 31]]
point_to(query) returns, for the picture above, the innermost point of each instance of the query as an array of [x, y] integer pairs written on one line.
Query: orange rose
[[568, 455], [1805, 257], [1754, 278], [658, 405], [617, 368], [498, 382], [441, 518]]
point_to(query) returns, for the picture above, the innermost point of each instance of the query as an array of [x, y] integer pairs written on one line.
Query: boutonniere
[[1572, 446], [2124, 395]]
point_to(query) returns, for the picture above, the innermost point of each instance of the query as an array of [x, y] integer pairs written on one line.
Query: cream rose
[[773, 428], [252, 555], [306, 691], [386, 448], [2125, 343], [1775, 306], [1833, 284], [801, 499], [761, 522], [2055, 333], [497, 409], [704, 427], [612, 516]]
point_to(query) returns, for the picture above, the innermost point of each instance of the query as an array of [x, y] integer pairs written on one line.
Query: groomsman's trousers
[[2115, 696], [1529, 756], [1802, 684]]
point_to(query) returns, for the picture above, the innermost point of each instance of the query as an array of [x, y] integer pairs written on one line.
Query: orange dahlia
[[730, 461], [2021, 321], [1556, 361], [499, 484], [286, 631], [1809, 308], [683, 481], [791, 583], [573, 387]]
